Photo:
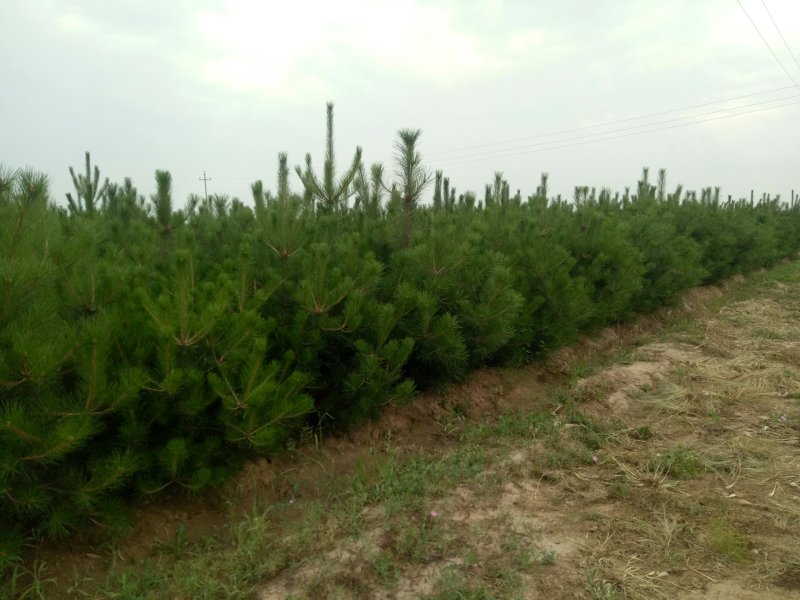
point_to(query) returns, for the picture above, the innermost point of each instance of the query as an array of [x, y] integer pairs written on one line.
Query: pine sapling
[[376, 190], [257, 189], [331, 194], [283, 230], [437, 191], [412, 175], [88, 191]]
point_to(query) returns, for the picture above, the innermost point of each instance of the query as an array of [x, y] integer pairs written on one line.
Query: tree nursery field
[[149, 353]]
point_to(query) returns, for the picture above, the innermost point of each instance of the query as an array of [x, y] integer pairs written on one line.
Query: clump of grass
[[619, 491], [495, 579], [663, 535], [566, 455], [344, 583], [642, 433], [415, 539], [32, 583], [726, 541], [623, 356], [679, 463], [548, 558], [521, 426], [584, 429], [766, 333], [581, 371], [386, 568], [402, 483], [600, 588], [457, 589], [523, 556]]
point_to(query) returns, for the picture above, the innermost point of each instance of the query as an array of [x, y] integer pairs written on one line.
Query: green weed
[[726, 541], [679, 463], [600, 588]]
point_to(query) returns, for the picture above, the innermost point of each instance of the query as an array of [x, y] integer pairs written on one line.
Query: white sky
[[224, 85]]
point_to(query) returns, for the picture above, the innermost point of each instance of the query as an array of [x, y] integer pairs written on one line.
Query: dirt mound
[[614, 386]]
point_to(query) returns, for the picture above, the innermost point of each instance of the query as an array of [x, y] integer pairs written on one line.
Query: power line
[[513, 151], [457, 161], [205, 181], [778, 29], [766, 43], [626, 120], [490, 153]]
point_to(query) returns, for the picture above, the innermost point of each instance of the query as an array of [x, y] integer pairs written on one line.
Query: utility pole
[[205, 181]]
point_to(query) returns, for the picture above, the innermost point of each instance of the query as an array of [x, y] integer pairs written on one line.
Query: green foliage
[[679, 463], [331, 194], [412, 178], [606, 260], [88, 191], [411, 174], [147, 348], [726, 541]]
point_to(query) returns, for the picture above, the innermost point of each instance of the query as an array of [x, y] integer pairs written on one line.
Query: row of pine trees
[[146, 349]]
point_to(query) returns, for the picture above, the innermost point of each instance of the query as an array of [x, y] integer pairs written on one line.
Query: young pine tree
[[59, 383], [412, 177], [89, 193], [330, 194]]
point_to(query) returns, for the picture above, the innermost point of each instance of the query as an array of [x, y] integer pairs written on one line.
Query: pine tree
[[437, 191], [332, 194], [662, 185], [122, 202], [412, 177], [88, 191], [259, 199], [672, 261], [375, 207], [50, 484], [606, 259], [361, 190], [162, 202], [447, 196], [281, 222]]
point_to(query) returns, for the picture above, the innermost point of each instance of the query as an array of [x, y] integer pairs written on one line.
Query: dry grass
[[733, 410]]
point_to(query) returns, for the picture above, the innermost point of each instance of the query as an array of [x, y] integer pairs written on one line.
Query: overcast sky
[[224, 85]]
